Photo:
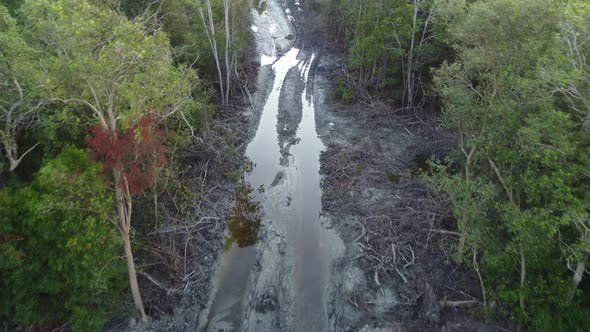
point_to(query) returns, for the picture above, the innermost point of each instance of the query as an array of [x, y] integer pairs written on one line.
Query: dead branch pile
[[398, 230], [178, 252]]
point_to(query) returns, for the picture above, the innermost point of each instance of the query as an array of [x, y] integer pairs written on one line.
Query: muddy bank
[[214, 167], [180, 301], [183, 253], [396, 272]]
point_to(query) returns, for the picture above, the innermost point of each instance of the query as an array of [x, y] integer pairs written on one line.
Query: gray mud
[[386, 270], [395, 273], [272, 29], [290, 106]]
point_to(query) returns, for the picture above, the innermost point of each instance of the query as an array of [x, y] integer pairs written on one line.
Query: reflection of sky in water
[[263, 151], [267, 60]]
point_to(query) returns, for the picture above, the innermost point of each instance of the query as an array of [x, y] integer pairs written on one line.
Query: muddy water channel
[[282, 281]]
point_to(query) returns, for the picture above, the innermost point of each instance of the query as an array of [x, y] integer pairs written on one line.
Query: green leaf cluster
[[72, 56], [66, 268], [517, 96], [378, 38]]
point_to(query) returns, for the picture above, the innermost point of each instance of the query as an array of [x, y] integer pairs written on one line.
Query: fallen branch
[[352, 302], [413, 258], [455, 304], [169, 291], [401, 275], [441, 231], [184, 229]]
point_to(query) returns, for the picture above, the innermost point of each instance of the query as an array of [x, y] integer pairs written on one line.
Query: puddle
[[264, 151], [244, 219], [297, 272], [232, 279], [313, 246]]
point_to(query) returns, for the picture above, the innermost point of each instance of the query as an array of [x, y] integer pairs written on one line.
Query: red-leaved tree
[[134, 157], [137, 154]]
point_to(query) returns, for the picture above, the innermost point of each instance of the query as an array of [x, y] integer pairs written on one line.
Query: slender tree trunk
[[14, 162], [9, 147], [578, 274], [209, 26], [522, 279], [124, 206], [409, 75], [226, 5], [476, 268], [8, 134], [461, 249], [133, 278], [581, 266]]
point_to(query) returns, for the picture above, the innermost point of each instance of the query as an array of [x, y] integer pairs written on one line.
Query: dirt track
[[395, 270]]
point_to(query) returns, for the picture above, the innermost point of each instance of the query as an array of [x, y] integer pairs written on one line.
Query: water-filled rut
[[280, 283]]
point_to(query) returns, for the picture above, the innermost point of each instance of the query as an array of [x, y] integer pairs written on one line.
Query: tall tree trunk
[[124, 206], [468, 155], [581, 266], [209, 26], [226, 5], [133, 278], [522, 279], [578, 273], [155, 202], [409, 75]]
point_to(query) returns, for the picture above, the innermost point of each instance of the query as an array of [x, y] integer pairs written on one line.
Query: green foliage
[[373, 32], [58, 204], [515, 97], [378, 36], [11, 5], [116, 64], [21, 84], [473, 201], [180, 19], [66, 268], [343, 93], [260, 7]]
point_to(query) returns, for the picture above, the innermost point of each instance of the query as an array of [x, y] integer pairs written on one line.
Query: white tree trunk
[[409, 75], [581, 266], [15, 118], [578, 274], [226, 6], [522, 279], [124, 209], [209, 26]]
